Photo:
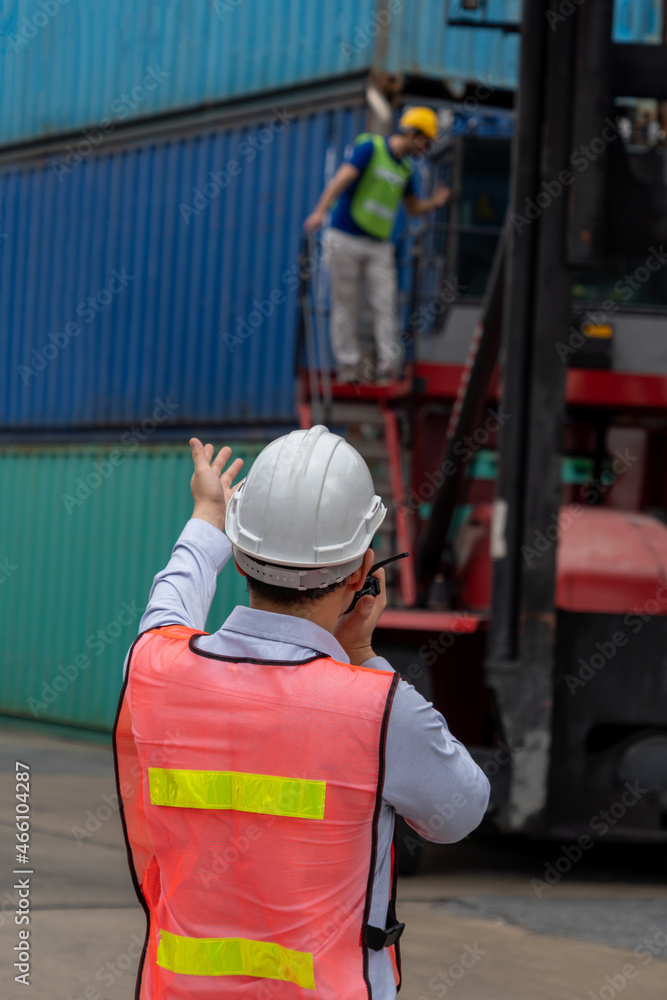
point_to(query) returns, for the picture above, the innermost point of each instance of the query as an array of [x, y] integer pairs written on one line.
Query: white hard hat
[[306, 513]]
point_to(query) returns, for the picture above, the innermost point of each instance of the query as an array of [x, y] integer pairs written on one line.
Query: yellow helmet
[[423, 119]]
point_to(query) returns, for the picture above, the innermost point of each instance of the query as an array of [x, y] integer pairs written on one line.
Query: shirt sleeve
[[377, 663], [182, 593], [411, 186], [361, 155], [430, 778]]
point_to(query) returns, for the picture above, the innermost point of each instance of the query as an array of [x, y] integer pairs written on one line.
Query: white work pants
[[349, 258]]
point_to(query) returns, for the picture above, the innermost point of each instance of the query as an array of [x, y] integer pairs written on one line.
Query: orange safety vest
[[250, 793]]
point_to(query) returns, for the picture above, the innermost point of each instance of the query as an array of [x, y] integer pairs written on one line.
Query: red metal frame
[[585, 387], [589, 388], [402, 514], [423, 620], [362, 391], [444, 381], [617, 390]]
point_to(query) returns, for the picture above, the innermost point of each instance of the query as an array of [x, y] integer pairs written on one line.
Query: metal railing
[[312, 340]]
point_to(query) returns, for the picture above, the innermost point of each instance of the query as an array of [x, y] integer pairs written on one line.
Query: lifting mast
[[570, 72]]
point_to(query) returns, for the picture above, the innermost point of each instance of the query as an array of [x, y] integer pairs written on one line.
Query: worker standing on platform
[[370, 186], [259, 768]]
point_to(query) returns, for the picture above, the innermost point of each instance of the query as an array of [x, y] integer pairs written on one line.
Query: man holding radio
[[290, 741]]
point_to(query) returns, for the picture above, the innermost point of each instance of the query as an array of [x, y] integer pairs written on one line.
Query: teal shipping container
[[85, 528], [66, 65]]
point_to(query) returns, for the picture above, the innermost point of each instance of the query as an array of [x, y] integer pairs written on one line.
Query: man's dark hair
[[287, 595]]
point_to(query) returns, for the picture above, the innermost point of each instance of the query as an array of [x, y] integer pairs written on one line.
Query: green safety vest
[[378, 196]]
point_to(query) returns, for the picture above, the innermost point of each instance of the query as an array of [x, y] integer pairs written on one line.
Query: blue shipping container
[[70, 64], [161, 275]]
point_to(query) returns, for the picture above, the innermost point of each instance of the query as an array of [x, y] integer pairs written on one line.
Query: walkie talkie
[[371, 585]]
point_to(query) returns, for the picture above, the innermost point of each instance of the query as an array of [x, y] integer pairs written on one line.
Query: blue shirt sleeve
[[410, 187], [182, 593], [361, 155], [431, 779]]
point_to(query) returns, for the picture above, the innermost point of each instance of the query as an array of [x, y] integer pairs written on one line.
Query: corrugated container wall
[[162, 274], [85, 529], [636, 21], [432, 39], [68, 64], [438, 43]]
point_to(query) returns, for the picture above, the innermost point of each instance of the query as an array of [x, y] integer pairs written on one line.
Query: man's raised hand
[[211, 483]]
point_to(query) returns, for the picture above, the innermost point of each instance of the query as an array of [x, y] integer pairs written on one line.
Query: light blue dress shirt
[[430, 778]]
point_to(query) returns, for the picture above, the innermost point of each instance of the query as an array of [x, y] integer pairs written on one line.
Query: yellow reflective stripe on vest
[[235, 957], [256, 793]]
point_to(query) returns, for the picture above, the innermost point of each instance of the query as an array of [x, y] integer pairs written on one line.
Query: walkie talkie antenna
[[376, 566], [371, 585]]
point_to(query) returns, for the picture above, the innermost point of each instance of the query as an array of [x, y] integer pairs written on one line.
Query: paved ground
[[476, 927]]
